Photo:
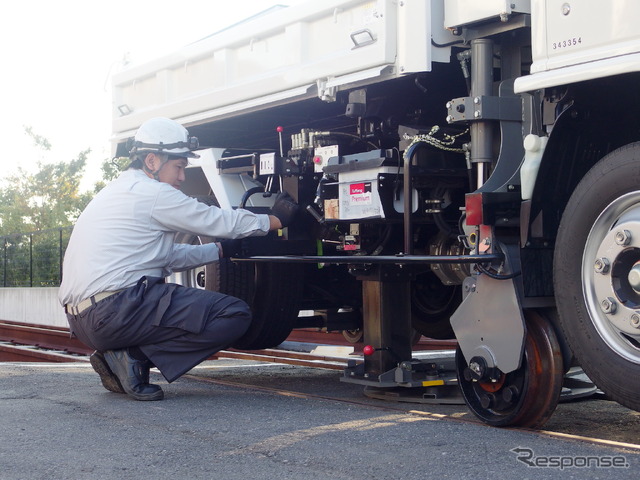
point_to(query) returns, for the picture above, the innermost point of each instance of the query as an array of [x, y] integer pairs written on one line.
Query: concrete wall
[[37, 305]]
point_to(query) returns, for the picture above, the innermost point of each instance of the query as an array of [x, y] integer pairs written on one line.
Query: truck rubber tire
[[432, 304], [273, 291], [597, 272]]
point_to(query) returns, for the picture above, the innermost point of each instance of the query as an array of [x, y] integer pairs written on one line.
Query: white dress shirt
[[127, 231]]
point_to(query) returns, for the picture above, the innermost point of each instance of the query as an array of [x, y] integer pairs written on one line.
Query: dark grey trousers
[[176, 327]]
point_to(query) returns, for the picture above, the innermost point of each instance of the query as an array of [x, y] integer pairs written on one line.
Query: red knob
[[279, 129], [368, 350]]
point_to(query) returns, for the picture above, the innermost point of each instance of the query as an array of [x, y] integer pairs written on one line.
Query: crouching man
[[121, 249]]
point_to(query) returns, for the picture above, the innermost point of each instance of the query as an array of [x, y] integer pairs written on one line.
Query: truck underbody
[[446, 201]]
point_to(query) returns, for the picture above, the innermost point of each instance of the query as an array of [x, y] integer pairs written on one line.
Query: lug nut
[[609, 305], [623, 237], [487, 400], [510, 394], [601, 265], [635, 320]]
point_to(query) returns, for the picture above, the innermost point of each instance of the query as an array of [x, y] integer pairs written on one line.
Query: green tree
[[43, 202], [49, 198], [110, 170]]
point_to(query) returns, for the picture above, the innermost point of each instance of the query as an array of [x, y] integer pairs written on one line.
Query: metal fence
[[34, 259]]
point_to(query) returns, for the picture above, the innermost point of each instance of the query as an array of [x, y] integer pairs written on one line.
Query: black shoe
[[133, 375], [109, 380]]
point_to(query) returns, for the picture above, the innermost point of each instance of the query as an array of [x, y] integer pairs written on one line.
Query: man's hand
[[230, 248], [284, 208]]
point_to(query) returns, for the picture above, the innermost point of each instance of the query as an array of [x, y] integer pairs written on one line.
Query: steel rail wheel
[[526, 397], [597, 274]]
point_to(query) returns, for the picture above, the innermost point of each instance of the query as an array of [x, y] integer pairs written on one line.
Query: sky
[[58, 57]]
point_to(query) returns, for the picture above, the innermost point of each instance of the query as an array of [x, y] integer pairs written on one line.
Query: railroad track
[[28, 342]]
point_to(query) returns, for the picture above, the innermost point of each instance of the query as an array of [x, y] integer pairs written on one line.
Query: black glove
[[231, 248], [284, 208]]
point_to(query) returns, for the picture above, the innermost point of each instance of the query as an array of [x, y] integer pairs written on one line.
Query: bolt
[[449, 118], [477, 114], [623, 237], [566, 9], [510, 394], [448, 105], [475, 368], [476, 100], [487, 400], [406, 366], [635, 320], [609, 305], [601, 265]]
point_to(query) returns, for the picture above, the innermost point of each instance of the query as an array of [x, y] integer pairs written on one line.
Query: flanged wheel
[[597, 274], [526, 397], [353, 336]]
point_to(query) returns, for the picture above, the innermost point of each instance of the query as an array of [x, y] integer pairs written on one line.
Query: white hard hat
[[164, 135]]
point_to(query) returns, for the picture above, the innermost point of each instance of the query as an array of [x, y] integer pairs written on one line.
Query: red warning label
[[360, 193], [359, 188]]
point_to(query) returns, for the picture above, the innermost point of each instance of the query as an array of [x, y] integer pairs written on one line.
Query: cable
[[450, 44], [496, 276], [343, 134]]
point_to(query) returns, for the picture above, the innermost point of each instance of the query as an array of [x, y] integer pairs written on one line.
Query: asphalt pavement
[[233, 419]]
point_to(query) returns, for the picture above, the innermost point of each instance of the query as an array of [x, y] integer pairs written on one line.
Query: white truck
[[463, 167]]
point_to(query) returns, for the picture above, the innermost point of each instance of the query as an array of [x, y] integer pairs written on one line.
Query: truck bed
[[300, 52]]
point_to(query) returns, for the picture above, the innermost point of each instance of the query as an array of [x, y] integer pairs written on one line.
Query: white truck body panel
[[464, 12], [574, 41], [302, 51]]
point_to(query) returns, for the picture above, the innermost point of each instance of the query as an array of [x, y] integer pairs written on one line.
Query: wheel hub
[[611, 275]]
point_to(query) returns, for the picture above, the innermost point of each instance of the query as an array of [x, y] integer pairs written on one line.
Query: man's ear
[[150, 162]]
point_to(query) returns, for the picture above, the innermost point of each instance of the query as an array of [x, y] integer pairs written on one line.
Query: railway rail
[[30, 342]]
